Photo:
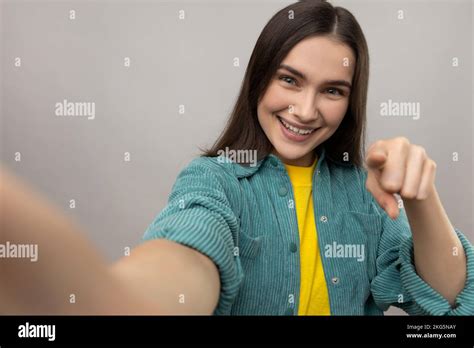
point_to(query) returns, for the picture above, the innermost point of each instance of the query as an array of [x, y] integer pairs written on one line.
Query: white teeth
[[294, 129]]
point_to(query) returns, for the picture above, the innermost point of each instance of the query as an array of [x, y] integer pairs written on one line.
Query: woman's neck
[[305, 161]]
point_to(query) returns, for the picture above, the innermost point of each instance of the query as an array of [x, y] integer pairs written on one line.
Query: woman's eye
[[335, 91], [288, 79]]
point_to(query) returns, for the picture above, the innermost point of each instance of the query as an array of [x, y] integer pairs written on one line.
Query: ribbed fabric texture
[[243, 218]]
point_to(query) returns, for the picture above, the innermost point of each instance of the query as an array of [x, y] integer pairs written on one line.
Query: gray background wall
[[190, 62]]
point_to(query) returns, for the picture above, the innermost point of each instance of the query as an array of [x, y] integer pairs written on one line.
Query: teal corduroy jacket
[[244, 219]]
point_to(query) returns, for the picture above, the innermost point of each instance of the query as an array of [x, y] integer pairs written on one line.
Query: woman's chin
[[291, 155]]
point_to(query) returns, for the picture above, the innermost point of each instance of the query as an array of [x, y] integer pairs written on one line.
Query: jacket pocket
[[356, 241], [366, 229], [370, 224]]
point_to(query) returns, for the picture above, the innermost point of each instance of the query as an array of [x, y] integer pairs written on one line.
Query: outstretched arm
[[396, 166], [159, 276]]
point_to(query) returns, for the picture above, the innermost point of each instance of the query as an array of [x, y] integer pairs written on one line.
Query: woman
[[305, 229]]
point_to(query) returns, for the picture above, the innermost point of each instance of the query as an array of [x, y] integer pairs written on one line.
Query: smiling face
[[307, 98]]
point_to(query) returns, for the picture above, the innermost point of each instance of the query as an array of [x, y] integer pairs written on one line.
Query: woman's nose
[[306, 108]]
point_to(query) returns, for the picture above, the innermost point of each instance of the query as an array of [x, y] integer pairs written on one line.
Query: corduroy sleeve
[[199, 215], [397, 283]]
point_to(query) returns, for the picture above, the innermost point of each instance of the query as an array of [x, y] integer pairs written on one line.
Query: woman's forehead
[[321, 58]]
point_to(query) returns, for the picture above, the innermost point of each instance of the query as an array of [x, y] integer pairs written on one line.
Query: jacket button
[[289, 311], [324, 218], [293, 247], [335, 280], [282, 191]]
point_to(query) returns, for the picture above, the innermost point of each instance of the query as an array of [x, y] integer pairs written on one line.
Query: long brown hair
[[284, 30]]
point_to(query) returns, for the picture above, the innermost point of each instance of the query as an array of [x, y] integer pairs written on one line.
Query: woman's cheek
[[334, 111], [278, 99]]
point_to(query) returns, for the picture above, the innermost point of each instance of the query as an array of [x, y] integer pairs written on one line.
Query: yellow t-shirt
[[314, 298]]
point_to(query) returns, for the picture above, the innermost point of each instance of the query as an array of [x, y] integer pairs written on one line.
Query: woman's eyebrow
[[303, 77]]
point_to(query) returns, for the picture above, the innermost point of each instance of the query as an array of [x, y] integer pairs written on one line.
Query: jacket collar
[[274, 162]]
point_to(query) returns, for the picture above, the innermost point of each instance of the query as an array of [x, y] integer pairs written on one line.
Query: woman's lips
[[294, 125], [293, 136]]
